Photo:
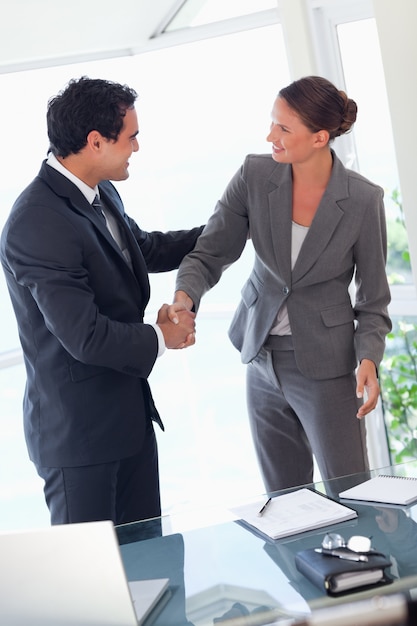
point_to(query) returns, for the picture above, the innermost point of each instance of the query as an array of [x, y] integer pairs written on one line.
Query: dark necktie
[[115, 232], [98, 207]]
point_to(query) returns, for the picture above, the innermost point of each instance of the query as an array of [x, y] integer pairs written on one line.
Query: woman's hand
[[367, 381]]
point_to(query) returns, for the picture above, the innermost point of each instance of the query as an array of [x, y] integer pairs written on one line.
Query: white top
[[298, 234]]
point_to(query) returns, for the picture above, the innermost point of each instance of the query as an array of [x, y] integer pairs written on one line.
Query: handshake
[[177, 322]]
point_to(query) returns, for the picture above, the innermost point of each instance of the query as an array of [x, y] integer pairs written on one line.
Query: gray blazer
[[346, 239]]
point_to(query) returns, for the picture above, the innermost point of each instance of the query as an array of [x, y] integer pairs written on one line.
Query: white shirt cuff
[[161, 340]]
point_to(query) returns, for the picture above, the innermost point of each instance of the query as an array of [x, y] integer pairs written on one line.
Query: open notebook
[[71, 575], [294, 512]]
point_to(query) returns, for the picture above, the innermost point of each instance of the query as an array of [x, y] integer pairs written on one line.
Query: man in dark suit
[[77, 272]]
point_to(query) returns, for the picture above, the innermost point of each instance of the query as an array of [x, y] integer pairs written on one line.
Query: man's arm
[[164, 251]]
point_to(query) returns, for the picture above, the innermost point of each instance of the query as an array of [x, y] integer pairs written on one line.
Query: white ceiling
[[36, 33]]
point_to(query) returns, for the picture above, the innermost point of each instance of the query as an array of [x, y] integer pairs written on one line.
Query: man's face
[[115, 154]]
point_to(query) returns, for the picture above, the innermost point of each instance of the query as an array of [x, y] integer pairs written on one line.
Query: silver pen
[[342, 554], [262, 511]]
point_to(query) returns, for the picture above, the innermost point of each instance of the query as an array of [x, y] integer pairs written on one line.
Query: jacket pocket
[[81, 371], [338, 315], [249, 293]]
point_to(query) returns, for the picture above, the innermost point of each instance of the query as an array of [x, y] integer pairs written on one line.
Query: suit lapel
[[280, 211], [63, 187], [320, 233], [81, 205], [138, 262], [325, 222]]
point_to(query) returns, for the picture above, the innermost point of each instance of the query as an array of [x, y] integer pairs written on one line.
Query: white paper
[[294, 512]]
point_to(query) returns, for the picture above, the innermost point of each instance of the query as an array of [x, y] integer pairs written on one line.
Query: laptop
[[71, 575]]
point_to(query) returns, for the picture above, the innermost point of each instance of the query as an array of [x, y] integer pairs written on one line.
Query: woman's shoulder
[[264, 165], [363, 182], [260, 160], [355, 179]]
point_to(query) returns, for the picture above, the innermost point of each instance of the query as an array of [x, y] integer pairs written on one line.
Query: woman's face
[[292, 141]]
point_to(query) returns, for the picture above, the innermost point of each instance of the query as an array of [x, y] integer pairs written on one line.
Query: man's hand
[[366, 380], [181, 333]]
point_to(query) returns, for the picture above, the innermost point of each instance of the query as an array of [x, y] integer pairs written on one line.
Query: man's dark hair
[[86, 104]]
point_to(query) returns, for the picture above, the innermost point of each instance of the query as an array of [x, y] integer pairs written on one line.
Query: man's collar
[[87, 191]]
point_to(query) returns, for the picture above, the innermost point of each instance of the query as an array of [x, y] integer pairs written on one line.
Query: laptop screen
[[69, 575]]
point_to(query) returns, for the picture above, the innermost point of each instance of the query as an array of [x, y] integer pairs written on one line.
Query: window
[[373, 132], [375, 147], [202, 107], [199, 12]]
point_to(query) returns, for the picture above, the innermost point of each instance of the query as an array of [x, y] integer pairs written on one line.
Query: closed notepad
[[384, 489], [336, 576]]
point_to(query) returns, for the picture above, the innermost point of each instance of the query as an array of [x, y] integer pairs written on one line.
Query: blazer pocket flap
[[80, 371], [338, 315], [249, 293]]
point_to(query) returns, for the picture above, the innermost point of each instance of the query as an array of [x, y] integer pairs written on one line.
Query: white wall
[[295, 17]]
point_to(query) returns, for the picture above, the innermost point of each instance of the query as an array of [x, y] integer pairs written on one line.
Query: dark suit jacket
[[80, 309], [346, 239]]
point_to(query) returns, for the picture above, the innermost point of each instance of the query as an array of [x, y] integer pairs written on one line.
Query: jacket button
[[286, 290]]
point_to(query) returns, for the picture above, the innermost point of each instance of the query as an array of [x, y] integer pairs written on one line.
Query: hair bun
[[349, 114], [320, 105]]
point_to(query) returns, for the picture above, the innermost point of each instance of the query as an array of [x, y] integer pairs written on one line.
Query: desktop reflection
[[223, 571]]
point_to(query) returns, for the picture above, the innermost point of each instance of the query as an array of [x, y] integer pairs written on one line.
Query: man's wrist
[[161, 340]]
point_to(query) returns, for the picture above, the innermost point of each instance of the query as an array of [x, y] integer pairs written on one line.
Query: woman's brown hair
[[320, 105]]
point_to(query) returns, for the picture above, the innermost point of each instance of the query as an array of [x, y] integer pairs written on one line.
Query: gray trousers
[[293, 417]]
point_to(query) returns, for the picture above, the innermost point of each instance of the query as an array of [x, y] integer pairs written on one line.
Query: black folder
[[337, 576]]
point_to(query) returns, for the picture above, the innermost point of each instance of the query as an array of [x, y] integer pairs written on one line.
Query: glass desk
[[218, 568]]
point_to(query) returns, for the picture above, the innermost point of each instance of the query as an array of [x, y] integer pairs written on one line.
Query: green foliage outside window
[[398, 370], [398, 381]]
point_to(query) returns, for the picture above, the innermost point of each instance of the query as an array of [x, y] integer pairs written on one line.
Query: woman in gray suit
[[317, 229]]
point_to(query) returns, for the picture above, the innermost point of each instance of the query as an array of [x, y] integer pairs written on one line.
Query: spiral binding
[[401, 477]]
